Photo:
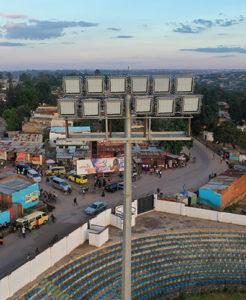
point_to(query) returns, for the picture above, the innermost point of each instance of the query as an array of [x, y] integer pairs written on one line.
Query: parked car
[[33, 174], [56, 170], [22, 169], [60, 184], [112, 187], [79, 179], [120, 185], [95, 208], [33, 220]]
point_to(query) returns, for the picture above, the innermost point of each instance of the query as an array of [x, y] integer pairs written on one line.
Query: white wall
[[4, 288], [116, 221], [98, 239], [199, 213], [58, 251], [19, 278], [168, 206], [102, 219]]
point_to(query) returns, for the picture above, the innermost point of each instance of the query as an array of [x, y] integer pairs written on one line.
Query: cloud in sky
[[123, 37], [114, 28], [41, 30], [12, 16], [221, 49], [9, 44], [199, 25], [182, 28]]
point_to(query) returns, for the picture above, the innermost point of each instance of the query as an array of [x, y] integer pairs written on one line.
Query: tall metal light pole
[[126, 245], [158, 104]]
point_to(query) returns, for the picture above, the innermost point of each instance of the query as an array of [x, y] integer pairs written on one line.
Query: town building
[[17, 193], [224, 189]]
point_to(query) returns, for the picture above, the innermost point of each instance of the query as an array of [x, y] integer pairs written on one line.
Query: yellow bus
[[33, 220]]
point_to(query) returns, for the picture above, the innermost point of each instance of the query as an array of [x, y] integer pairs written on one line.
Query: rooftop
[[224, 180], [13, 183]]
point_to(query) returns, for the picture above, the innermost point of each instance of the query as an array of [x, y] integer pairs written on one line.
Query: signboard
[[3, 155], [100, 165], [67, 107], [22, 156], [32, 197]]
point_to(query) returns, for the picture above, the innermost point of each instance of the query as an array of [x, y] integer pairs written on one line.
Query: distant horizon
[[123, 70]]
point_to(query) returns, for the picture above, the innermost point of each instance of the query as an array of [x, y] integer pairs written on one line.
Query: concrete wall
[[4, 217], [22, 196], [98, 239], [199, 213], [210, 197], [235, 190]]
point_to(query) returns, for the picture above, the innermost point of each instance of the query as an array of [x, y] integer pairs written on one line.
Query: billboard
[[100, 165]]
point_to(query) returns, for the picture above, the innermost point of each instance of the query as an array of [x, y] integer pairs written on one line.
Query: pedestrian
[[53, 218], [160, 173], [23, 231], [103, 193], [75, 201], [104, 182], [158, 191], [1, 239], [83, 192], [37, 251]]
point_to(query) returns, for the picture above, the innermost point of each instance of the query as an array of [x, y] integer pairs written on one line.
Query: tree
[[227, 133], [10, 115]]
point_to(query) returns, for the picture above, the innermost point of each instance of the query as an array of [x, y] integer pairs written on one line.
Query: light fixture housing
[[139, 84], [166, 106], [67, 106], [161, 84], [184, 84], [91, 107], [113, 106], [117, 85], [143, 105], [191, 104], [94, 85], [72, 85]]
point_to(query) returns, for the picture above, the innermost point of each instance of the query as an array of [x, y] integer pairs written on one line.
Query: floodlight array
[[94, 96]]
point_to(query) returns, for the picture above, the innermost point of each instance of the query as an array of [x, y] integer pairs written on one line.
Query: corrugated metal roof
[[13, 185], [222, 181], [59, 129]]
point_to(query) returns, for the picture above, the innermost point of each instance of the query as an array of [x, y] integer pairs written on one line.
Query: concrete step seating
[[161, 265]]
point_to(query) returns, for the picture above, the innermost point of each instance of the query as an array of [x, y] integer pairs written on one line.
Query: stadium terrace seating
[[162, 265]]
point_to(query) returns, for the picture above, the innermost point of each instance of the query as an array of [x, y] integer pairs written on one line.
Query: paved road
[[69, 217]]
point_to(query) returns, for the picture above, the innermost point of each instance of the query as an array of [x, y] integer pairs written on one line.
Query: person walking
[[75, 203], [53, 218], [23, 231], [37, 251], [103, 193]]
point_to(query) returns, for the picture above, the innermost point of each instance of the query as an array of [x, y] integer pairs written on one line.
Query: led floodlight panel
[[139, 84], [117, 84], [113, 107], [191, 104], [184, 84], [161, 84], [166, 106], [95, 84], [72, 85], [67, 107], [143, 104], [91, 107]]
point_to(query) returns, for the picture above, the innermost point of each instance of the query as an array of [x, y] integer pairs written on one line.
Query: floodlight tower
[[127, 98]]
